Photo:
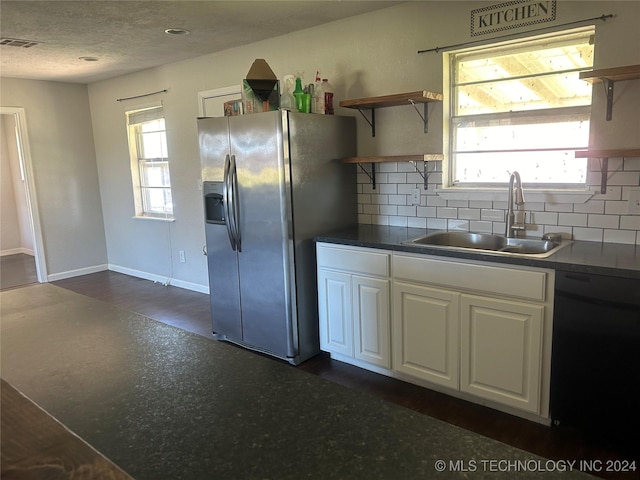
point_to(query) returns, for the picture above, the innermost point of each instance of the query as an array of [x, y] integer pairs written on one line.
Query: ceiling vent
[[17, 42]]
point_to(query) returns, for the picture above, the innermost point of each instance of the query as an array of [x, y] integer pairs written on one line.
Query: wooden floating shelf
[[395, 100], [399, 99], [630, 72], [609, 77], [615, 153], [395, 158]]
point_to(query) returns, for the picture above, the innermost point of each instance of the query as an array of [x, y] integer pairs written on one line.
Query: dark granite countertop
[[586, 257], [163, 403]]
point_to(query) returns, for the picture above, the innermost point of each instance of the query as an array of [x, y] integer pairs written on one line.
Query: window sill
[[154, 219], [499, 194]]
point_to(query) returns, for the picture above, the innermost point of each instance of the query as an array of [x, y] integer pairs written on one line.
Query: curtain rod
[[141, 96], [479, 42]]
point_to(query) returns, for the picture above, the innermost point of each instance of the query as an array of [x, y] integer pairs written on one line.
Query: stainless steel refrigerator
[[271, 181]]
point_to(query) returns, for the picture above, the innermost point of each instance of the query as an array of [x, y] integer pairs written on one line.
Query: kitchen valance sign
[[505, 16]]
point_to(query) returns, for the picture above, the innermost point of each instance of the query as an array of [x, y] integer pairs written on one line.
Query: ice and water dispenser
[[213, 203]]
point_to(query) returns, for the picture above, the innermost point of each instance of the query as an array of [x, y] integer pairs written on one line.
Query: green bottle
[[298, 94]]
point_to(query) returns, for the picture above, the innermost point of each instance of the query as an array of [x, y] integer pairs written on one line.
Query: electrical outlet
[[183, 258], [633, 204], [415, 196]]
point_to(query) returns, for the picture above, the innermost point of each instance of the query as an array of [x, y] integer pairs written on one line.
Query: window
[[520, 106], [149, 163]]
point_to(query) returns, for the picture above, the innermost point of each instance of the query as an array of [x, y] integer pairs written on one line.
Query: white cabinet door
[[425, 333], [501, 350], [335, 311], [371, 320]]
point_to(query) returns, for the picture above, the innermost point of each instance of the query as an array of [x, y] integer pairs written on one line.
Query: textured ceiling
[[127, 36]]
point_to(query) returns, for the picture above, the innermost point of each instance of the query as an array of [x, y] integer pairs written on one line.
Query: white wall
[[65, 174]]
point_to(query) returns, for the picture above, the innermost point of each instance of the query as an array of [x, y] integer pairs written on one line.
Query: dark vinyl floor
[[190, 311]]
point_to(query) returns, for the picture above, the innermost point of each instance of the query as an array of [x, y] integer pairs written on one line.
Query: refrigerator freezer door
[[224, 284], [264, 211]]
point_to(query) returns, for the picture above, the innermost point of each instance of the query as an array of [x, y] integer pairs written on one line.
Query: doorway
[[22, 258]]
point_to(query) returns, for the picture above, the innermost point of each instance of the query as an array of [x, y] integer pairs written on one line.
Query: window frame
[[134, 125], [577, 192]]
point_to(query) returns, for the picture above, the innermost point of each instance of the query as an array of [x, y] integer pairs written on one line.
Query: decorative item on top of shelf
[[261, 88], [411, 98]]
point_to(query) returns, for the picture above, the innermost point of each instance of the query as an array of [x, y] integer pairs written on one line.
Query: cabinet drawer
[[470, 276], [353, 259]]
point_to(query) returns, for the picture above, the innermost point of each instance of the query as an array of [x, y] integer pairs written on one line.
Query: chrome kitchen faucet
[[512, 227]]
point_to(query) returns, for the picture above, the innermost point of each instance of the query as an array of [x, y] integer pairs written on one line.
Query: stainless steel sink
[[489, 243]]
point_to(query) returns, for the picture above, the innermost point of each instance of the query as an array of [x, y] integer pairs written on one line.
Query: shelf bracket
[[604, 168], [372, 175], [608, 86], [372, 122], [424, 174], [425, 116]]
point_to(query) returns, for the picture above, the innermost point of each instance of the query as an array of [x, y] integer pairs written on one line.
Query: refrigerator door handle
[[225, 199], [235, 203]]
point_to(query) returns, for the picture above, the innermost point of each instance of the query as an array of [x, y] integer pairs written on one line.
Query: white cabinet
[[353, 303], [425, 333], [474, 327], [501, 350]]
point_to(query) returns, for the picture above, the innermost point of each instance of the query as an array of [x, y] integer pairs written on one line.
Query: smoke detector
[[18, 42]]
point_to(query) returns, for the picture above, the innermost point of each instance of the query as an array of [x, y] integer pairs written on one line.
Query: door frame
[[20, 117]]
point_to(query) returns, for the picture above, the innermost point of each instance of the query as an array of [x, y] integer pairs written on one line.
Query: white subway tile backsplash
[[387, 188], [388, 210], [426, 211], [398, 221], [371, 209], [397, 178], [447, 212], [624, 178], [397, 199], [460, 225], [492, 215], [613, 193], [574, 219], [603, 217], [591, 206], [407, 211], [620, 236], [559, 207], [616, 207], [632, 164], [604, 221], [630, 222], [588, 234], [439, 223], [469, 213], [417, 222], [480, 227], [544, 218], [380, 199], [480, 204], [435, 201], [387, 167]]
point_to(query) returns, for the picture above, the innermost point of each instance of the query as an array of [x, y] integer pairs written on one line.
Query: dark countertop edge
[[579, 256]]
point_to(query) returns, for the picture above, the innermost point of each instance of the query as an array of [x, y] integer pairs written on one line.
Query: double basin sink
[[490, 243]]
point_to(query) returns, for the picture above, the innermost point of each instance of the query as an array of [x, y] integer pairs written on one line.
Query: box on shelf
[[261, 88]]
